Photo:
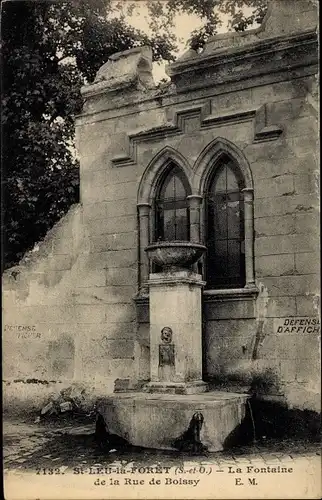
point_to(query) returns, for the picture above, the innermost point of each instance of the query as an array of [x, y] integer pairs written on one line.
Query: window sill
[[212, 295], [230, 294]]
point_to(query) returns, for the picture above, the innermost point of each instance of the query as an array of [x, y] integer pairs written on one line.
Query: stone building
[[226, 156]]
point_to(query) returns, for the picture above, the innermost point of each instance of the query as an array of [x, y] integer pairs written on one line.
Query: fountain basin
[[175, 254], [158, 420]]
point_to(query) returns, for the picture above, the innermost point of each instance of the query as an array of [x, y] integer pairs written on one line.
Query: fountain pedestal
[[175, 333]]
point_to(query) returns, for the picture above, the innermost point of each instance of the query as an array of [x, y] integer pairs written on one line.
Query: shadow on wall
[[265, 420], [268, 414], [60, 355], [249, 377]]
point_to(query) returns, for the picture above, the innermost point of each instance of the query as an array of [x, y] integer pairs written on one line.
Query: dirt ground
[[30, 445]]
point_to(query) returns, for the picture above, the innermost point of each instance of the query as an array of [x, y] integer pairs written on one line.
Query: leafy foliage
[[241, 13], [49, 49]]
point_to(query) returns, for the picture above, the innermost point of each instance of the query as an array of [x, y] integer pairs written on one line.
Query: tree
[[49, 49], [242, 14]]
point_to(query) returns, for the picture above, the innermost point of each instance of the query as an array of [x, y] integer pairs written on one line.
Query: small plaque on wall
[[166, 355]]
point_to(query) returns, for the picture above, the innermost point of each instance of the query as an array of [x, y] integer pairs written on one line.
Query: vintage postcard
[[161, 327]]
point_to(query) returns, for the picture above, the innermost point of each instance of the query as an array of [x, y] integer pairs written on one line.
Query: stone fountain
[[175, 410]]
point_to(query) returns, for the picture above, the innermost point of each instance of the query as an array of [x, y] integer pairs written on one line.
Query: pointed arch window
[[171, 207], [225, 227]]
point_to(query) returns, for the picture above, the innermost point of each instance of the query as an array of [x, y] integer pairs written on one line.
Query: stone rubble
[[73, 400]]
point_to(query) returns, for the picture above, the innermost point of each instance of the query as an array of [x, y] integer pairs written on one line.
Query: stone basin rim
[[175, 244], [176, 254]]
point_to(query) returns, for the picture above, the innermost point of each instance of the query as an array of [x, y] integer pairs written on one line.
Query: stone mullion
[[194, 201], [249, 236]]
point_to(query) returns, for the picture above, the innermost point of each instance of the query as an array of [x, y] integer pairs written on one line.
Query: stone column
[[194, 201], [249, 236], [175, 333], [144, 210]]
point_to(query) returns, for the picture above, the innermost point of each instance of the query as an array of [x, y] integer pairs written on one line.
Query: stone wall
[[241, 336], [77, 310], [60, 326]]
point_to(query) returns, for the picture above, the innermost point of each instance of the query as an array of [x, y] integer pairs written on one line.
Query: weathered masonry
[[224, 156]]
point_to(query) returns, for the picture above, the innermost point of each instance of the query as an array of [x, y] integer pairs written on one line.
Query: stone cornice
[[176, 279], [142, 299], [262, 132], [175, 127], [262, 47], [125, 71], [244, 63], [276, 59]]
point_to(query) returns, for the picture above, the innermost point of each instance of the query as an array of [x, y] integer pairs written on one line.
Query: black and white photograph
[[160, 249]]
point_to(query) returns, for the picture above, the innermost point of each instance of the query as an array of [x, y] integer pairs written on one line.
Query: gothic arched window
[[171, 206], [225, 227]]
